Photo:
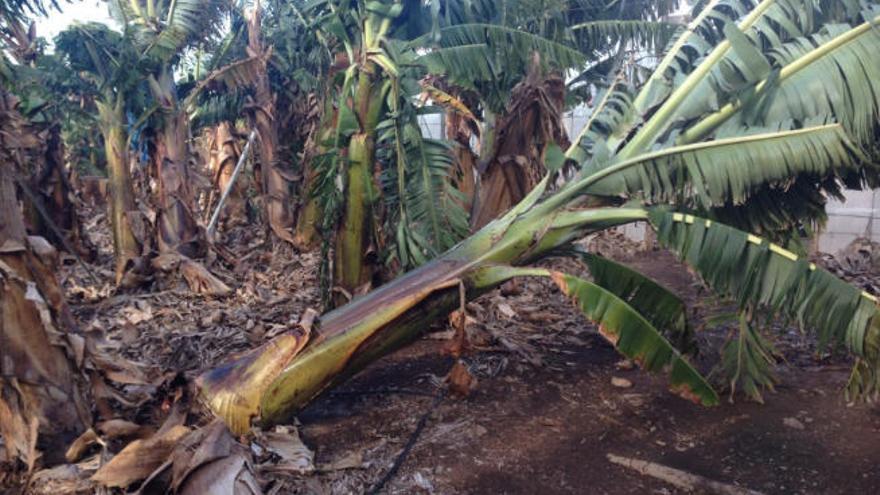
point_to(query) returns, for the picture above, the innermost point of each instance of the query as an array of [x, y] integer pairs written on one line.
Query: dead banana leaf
[[294, 455], [42, 392], [45, 251], [461, 381], [231, 475], [210, 461], [199, 278], [167, 262], [16, 434], [234, 390], [139, 458], [199, 448], [79, 446], [448, 101], [201, 281], [66, 479], [120, 428], [37, 372]]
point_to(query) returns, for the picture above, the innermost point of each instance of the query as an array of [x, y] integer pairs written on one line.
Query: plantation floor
[[543, 417], [549, 428]]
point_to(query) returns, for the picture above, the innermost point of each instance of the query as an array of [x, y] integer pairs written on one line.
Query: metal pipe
[[235, 173]]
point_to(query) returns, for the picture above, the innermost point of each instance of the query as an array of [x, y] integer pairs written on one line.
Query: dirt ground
[[543, 417], [549, 428]]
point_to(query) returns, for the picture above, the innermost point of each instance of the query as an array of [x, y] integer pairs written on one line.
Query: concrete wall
[[857, 216]]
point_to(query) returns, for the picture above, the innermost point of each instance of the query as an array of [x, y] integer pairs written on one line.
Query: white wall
[[857, 216], [432, 125]]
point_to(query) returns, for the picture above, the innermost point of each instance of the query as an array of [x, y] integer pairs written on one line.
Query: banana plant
[[379, 181], [264, 119], [104, 59], [43, 391], [36, 77], [572, 38], [391, 184], [789, 115], [161, 32]]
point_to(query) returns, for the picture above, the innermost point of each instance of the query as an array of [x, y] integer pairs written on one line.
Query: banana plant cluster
[[385, 190], [380, 182], [755, 105], [133, 73]]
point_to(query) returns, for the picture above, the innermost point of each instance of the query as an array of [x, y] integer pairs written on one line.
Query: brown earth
[[549, 428]]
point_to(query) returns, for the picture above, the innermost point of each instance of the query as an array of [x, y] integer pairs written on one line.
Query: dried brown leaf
[[201, 281], [45, 251], [352, 460], [294, 455], [167, 262], [82, 443], [461, 381], [120, 428], [37, 373], [199, 448], [230, 475], [66, 479], [139, 458], [207, 461]]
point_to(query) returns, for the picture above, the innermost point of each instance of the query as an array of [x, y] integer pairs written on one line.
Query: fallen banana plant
[[770, 156], [271, 386]]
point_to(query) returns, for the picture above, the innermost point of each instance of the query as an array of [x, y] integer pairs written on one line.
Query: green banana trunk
[[352, 237], [356, 230], [309, 213], [126, 245]]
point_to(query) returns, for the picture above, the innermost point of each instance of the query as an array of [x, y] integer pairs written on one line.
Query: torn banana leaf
[[757, 273], [654, 302], [634, 337]]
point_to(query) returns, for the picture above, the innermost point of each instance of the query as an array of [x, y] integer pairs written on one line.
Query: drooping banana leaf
[[657, 304], [634, 337], [781, 213], [756, 273], [832, 73], [599, 34], [229, 78], [747, 361], [709, 65], [727, 171]]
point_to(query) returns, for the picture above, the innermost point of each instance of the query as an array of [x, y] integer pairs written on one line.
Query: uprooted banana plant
[[754, 109]]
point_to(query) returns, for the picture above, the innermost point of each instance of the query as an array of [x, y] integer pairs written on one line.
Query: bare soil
[[548, 428]]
